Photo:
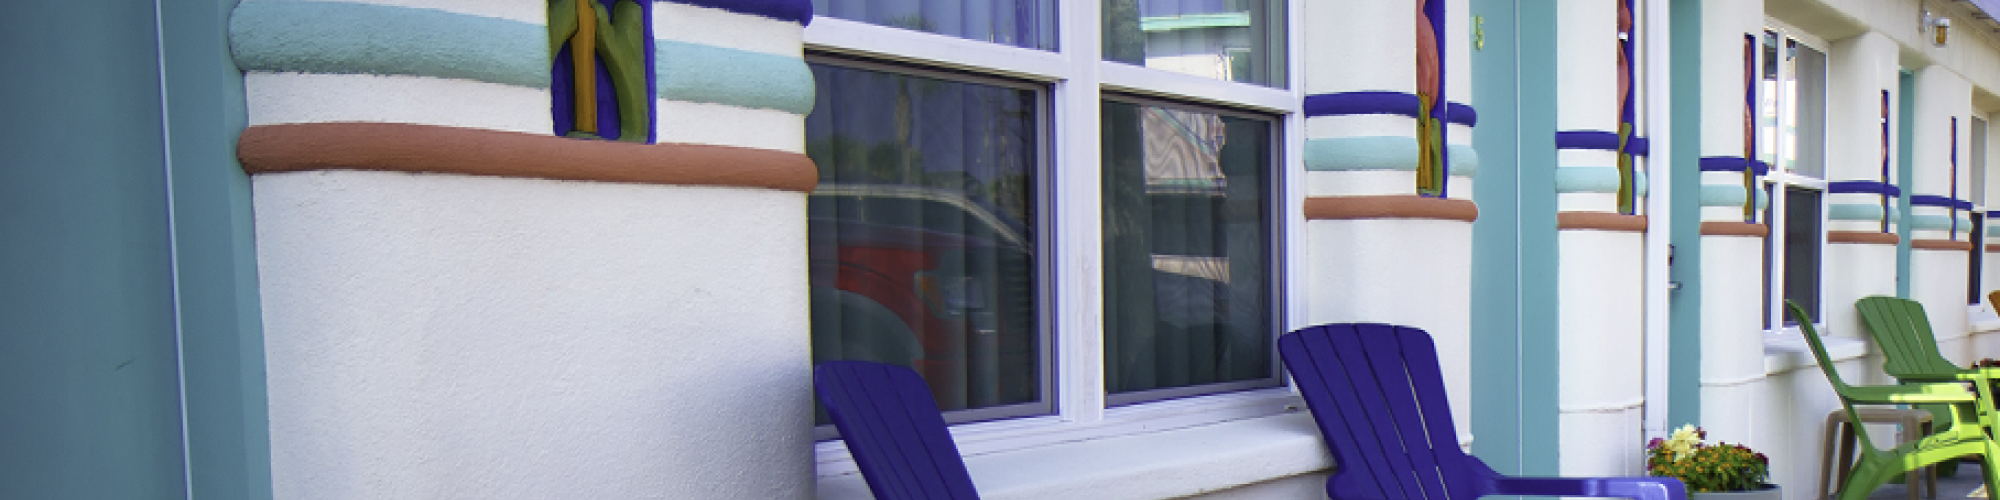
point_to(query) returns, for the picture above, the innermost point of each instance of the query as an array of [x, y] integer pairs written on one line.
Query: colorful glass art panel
[[1432, 156], [1885, 159], [1749, 127], [1627, 128], [602, 77]]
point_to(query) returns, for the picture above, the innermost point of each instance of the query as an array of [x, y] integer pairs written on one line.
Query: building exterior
[[589, 248]]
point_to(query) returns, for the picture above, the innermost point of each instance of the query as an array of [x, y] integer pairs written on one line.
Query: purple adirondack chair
[[1379, 399], [894, 431]]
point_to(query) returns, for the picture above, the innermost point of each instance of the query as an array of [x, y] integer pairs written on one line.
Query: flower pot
[[1770, 492]]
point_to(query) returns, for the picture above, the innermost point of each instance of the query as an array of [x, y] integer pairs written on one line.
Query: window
[[1791, 136], [1186, 248], [953, 232], [1223, 39], [1978, 235], [921, 236], [1020, 23]]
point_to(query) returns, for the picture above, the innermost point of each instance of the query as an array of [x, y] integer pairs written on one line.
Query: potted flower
[[1716, 471]]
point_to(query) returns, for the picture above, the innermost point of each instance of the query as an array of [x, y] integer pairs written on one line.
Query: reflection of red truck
[[927, 278]]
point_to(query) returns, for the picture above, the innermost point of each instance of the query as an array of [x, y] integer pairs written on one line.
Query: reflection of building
[[336, 249]]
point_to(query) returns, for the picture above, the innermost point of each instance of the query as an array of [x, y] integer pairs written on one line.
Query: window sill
[[1784, 353], [1980, 319], [1159, 464]]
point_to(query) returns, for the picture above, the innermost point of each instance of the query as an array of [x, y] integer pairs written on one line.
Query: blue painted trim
[[1929, 222], [1931, 200], [352, 38], [1733, 164], [1375, 102], [1855, 211], [1381, 152], [798, 11], [1864, 187], [1594, 180], [348, 38], [1729, 195], [708, 74], [1600, 140]]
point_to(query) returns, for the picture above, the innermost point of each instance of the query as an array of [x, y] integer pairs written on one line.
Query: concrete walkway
[[1956, 487]]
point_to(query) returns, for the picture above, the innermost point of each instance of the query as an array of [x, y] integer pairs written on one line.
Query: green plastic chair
[[1903, 331], [1964, 430]]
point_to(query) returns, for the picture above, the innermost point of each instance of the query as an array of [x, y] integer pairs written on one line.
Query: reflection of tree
[[1123, 40]]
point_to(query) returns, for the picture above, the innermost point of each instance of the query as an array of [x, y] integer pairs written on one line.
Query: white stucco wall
[[1412, 272], [1601, 351], [457, 336], [1732, 333]]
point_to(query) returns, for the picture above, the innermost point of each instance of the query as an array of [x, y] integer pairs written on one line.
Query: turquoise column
[[1906, 112], [1684, 306], [222, 342], [1514, 421], [89, 377]]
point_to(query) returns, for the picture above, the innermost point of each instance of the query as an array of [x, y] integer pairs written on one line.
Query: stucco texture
[[448, 336]]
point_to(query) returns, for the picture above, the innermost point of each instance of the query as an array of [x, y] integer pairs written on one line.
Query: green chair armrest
[[1910, 394]]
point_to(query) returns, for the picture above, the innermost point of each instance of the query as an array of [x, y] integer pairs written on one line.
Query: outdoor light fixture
[[1939, 26]]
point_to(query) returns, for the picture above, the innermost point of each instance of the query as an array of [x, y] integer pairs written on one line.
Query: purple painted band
[[1732, 164], [1869, 187], [1600, 140], [798, 11], [1382, 103], [1931, 200]]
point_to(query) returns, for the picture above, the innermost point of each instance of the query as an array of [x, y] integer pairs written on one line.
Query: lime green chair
[[1964, 430], [1903, 331]]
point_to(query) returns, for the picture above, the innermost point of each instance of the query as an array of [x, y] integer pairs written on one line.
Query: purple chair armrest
[[1640, 488]]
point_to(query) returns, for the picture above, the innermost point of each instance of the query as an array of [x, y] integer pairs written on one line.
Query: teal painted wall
[[1906, 110], [132, 360], [222, 336], [89, 382], [1514, 415], [1684, 305]]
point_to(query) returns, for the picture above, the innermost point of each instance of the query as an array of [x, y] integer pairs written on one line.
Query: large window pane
[[1767, 101], [1020, 23], [922, 234], [1234, 40], [1802, 244], [1806, 140], [1187, 251]]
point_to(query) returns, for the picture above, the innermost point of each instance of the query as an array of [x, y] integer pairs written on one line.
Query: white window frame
[[1780, 180], [1078, 79]]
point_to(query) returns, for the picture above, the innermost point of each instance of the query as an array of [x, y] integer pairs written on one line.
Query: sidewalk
[[1956, 487]]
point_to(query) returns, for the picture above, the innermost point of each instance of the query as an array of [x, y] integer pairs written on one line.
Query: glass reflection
[[1233, 40], [920, 242], [1020, 23], [1186, 248]]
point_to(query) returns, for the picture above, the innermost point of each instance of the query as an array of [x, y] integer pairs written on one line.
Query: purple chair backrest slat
[[894, 431], [1379, 398]]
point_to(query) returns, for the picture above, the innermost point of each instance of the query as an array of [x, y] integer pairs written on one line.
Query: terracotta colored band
[[1390, 207], [1992, 247], [1601, 221], [1962, 246], [1721, 228], [403, 147], [1866, 237]]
